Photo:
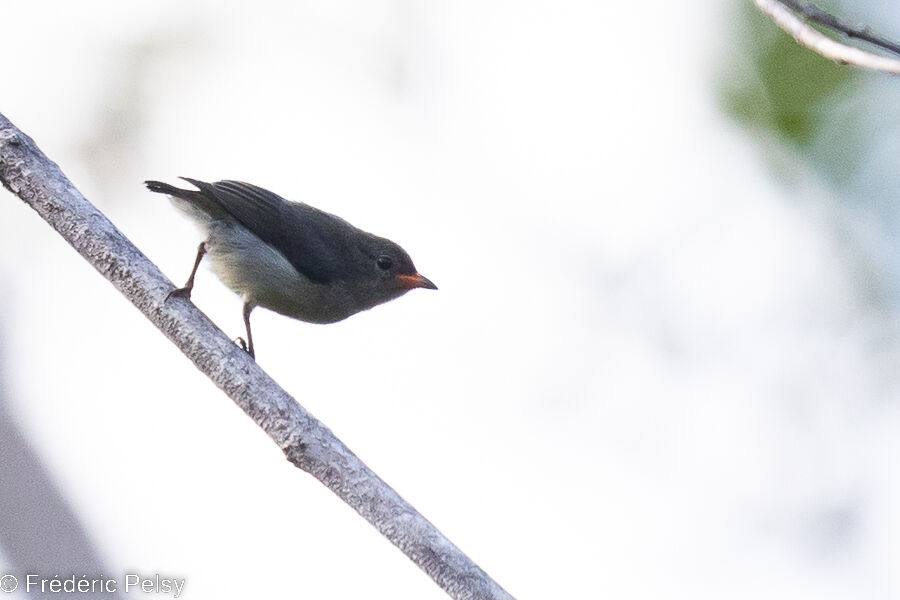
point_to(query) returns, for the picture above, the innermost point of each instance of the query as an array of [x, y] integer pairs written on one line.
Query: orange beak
[[416, 281]]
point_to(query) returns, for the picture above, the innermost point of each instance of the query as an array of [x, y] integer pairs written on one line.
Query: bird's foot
[[184, 292], [240, 342]]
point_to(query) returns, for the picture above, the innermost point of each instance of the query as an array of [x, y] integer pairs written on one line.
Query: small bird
[[289, 257]]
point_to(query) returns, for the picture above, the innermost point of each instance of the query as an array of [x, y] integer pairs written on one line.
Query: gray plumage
[[291, 257]]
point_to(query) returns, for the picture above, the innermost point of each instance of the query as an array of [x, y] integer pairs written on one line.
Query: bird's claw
[[240, 342], [184, 292]]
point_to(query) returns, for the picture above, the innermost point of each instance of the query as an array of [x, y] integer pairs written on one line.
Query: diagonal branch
[[306, 442], [791, 15]]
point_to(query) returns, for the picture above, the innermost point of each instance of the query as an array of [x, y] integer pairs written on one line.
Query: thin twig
[[782, 12], [306, 442], [814, 14]]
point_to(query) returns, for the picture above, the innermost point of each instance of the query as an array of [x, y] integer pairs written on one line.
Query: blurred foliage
[[779, 85], [842, 122]]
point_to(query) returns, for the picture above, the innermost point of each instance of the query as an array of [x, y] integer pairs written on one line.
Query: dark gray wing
[[319, 245]]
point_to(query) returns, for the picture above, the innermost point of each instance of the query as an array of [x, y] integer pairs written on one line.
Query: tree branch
[[785, 14], [814, 14], [306, 442]]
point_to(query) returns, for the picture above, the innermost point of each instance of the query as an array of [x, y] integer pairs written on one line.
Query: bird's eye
[[384, 262]]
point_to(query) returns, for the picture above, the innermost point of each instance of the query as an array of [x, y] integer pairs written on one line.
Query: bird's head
[[387, 272]]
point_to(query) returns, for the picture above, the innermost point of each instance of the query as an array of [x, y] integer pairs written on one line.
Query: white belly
[[262, 276]]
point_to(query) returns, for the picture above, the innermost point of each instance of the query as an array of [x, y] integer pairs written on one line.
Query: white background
[[651, 369]]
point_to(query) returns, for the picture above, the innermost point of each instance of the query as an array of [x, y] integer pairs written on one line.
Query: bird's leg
[[248, 346], [185, 292]]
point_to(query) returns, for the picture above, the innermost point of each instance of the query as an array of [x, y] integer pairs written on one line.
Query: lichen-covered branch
[[790, 15], [306, 442]]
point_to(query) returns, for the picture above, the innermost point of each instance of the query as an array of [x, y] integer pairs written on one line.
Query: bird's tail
[[171, 190], [201, 204]]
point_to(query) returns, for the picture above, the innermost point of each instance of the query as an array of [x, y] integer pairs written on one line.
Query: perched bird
[[288, 256]]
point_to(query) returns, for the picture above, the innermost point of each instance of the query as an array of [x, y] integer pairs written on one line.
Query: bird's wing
[[308, 238]]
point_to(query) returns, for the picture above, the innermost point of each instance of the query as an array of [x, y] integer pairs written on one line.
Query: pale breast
[[262, 276]]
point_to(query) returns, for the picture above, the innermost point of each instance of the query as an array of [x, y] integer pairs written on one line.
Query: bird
[[289, 257]]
